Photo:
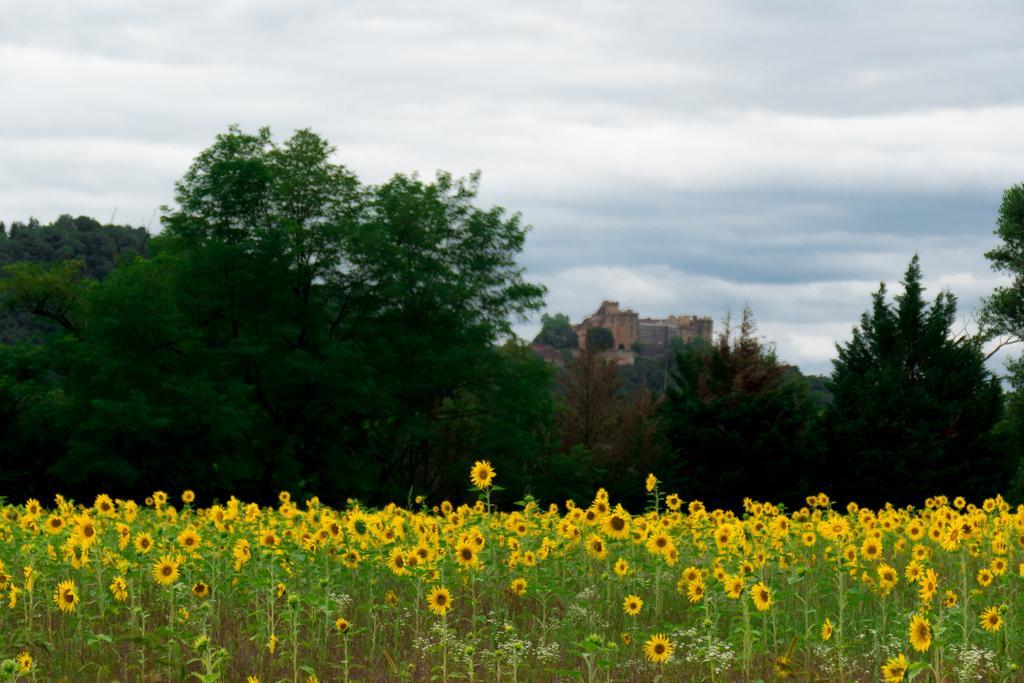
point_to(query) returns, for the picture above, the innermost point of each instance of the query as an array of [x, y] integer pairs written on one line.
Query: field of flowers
[[171, 591]]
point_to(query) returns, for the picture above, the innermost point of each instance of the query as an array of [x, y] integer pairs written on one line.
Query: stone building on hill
[[646, 336]]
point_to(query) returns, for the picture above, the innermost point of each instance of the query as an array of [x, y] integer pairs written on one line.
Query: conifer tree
[[914, 408], [737, 424]]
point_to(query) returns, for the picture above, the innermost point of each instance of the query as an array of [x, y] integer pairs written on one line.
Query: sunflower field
[[173, 591]]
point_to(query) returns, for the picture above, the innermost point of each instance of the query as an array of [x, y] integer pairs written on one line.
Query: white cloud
[[677, 156]]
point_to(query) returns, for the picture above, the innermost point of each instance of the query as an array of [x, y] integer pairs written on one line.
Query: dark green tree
[[96, 249], [913, 409], [600, 339], [294, 329], [1003, 311], [736, 425], [1002, 318], [556, 331]]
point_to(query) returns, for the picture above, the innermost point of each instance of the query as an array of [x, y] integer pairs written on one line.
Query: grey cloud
[[678, 156]]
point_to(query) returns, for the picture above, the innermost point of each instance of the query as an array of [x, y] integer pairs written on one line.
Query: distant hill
[[99, 246]]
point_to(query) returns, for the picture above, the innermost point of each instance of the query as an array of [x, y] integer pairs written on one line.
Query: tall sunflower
[[990, 620], [66, 596], [762, 596], [826, 629], [895, 669], [465, 553], [397, 562], [165, 570], [616, 524], [632, 605], [119, 587], [143, 542], [658, 649], [439, 600], [482, 474], [920, 633], [189, 540]]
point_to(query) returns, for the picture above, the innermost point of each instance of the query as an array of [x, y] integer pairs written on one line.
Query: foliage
[[294, 325], [556, 331], [913, 403], [1002, 316], [1003, 313], [96, 248], [604, 431], [600, 339], [735, 423]]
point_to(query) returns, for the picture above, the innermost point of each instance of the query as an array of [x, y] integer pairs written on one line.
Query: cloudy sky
[[680, 157]]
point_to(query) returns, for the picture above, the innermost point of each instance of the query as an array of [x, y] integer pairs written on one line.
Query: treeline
[[293, 328]]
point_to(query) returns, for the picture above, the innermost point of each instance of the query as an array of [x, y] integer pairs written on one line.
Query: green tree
[[589, 386], [600, 339], [736, 425], [913, 409], [556, 331], [1003, 311], [1002, 317], [296, 328], [94, 247]]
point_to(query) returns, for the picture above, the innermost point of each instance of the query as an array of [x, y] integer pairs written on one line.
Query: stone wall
[[624, 325], [653, 334]]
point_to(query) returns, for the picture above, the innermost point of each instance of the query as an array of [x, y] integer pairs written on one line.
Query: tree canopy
[[738, 425], [319, 330], [913, 408]]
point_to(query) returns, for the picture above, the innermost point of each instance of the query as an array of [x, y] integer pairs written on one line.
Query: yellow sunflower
[[165, 570], [482, 474], [632, 605], [66, 596], [189, 540], [143, 542], [397, 562], [54, 524], [984, 578], [658, 649], [465, 554], [733, 586], [920, 633], [616, 524], [762, 596], [119, 587], [990, 620], [596, 547], [439, 600], [895, 669]]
